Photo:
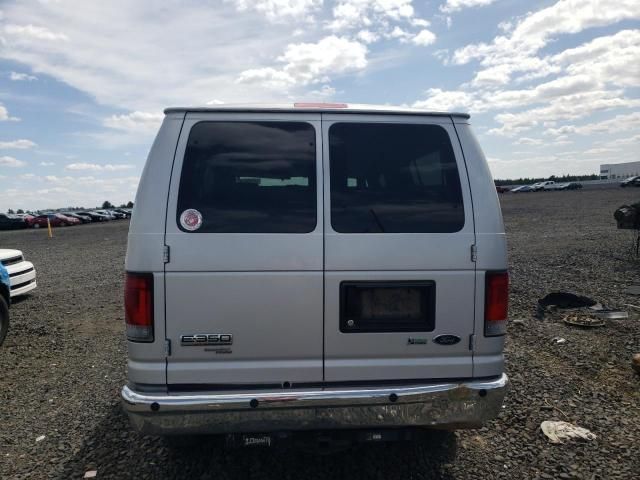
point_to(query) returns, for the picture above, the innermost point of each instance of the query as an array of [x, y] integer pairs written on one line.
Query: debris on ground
[[610, 313], [635, 362], [518, 322], [40, 438], [558, 432], [628, 217], [559, 340], [90, 474], [587, 321], [556, 301]]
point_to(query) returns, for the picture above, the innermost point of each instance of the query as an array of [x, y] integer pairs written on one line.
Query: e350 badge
[[206, 339]]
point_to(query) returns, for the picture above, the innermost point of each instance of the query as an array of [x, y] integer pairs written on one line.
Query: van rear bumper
[[465, 404]]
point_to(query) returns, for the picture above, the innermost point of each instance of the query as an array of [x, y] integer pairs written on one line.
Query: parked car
[[106, 213], [569, 186], [117, 214], [11, 222], [522, 189], [327, 296], [4, 303], [500, 189], [56, 220], [82, 218], [95, 217], [631, 182], [546, 185], [22, 274], [122, 211]]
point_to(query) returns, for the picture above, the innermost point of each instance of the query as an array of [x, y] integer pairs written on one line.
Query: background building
[[615, 171]]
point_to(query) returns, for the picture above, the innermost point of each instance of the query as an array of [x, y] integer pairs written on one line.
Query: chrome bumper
[[465, 404]]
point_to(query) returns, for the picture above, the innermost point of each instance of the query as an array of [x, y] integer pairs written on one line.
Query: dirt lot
[[63, 363]]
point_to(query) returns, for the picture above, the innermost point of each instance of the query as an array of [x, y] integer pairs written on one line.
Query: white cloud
[[4, 115], [455, 5], [528, 141], [144, 66], [613, 59], [11, 162], [349, 14], [424, 37], [21, 144], [442, 100], [324, 92], [20, 77], [399, 33], [367, 36], [307, 63], [97, 168], [46, 164], [135, 121], [516, 52], [617, 124], [279, 10], [33, 32]]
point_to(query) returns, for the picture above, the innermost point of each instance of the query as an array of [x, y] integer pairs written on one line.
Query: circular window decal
[[191, 219]]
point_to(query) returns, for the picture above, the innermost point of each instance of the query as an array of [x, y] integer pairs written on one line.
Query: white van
[[314, 267]]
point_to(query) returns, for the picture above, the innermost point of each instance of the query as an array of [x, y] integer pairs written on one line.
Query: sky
[[553, 87]]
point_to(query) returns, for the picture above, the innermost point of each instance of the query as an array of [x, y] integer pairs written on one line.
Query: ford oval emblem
[[446, 339]]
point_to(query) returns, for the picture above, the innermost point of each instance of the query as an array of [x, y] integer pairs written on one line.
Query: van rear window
[[250, 177], [393, 178]]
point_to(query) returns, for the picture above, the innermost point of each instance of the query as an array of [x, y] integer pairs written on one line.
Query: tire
[[4, 319], [36, 225]]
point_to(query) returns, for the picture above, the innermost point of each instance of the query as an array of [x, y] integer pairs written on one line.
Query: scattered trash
[[557, 432], [587, 321], [632, 306], [628, 217], [566, 300], [633, 290], [518, 322], [40, 438], [90, 474], [635, 362], [559, 340], [611, 314], [562, 301]]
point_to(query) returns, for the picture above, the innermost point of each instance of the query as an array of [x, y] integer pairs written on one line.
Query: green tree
[[10, 211], [20, 210], [130, 204], [106, 205]]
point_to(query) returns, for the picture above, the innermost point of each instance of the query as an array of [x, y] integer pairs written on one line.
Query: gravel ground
[[64, 361]]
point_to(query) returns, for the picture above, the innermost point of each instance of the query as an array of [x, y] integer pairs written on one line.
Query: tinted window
[[255, 177], [393, 178]]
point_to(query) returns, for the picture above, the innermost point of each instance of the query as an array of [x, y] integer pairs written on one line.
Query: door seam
[[475, 242], [322, 165]]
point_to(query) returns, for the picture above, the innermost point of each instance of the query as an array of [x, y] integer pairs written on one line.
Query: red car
[[56, 220]]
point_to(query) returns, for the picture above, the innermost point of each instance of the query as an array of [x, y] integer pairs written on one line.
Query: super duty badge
[[206, 339]]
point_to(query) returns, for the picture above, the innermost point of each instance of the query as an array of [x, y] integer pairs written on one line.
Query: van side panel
[[491, 244], [147, 361]]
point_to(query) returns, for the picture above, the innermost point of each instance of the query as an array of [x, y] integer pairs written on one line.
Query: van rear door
[[245, 236], [399, 231]]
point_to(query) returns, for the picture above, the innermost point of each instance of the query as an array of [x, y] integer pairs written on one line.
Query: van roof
[[314, 107]]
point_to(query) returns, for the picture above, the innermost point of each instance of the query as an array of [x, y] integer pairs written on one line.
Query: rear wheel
[[4, 319], [36, 225]]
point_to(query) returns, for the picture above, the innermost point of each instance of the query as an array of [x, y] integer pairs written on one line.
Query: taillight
[[496, 303], [138, 306]]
